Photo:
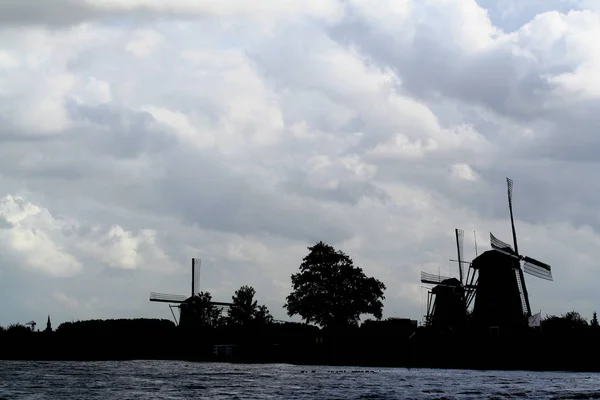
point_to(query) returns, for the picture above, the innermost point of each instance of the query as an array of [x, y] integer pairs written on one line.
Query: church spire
[[48, 325]]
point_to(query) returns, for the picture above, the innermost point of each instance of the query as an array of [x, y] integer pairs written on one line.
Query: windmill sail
[[460, 235], [167, 298], [196, 264], [509, 183], [432, 279], [537, 268], [498, 244]]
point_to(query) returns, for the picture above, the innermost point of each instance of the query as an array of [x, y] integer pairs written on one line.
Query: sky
[[137, 134]]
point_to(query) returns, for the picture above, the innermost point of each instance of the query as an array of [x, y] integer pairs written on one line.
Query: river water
[[187, 380]]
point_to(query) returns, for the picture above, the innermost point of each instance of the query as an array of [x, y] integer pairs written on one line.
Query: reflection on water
[[184, 380]]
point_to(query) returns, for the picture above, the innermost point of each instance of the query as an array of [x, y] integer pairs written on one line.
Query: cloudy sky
[[137, 134]]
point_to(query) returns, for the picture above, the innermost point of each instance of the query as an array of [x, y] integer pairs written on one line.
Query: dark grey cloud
[[347, 192], [62, 12], [430, 67], [70, 12], [202, 191], [120, 133]]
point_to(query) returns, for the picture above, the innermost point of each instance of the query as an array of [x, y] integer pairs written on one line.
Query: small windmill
[[501, 294], [446, 301], [181, 301]]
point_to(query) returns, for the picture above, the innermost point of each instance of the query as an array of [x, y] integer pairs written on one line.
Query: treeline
[[567, 325], [373, 342], [566, 342], [331, 295], [329, 292]]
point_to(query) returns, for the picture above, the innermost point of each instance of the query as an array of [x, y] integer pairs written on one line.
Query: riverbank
[[372, 345]]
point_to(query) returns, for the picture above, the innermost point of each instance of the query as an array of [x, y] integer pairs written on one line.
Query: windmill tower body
[[449, 309], [498, 300]]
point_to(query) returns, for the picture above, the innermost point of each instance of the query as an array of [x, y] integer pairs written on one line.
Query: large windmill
[[189, 307], [501, 298]]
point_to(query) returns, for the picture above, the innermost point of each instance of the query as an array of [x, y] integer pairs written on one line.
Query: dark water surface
[[186, 380]]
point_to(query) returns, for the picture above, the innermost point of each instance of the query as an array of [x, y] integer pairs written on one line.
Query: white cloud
[[181, 125], [66, 301], [401, 146], [122, 248], [94, 92], [144, 42], [31, 237], [7, 60], [463, 171]]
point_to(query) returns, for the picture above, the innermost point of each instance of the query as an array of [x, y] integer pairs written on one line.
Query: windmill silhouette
[[494, 284], [189, 307], [446, 301], [501, 298]]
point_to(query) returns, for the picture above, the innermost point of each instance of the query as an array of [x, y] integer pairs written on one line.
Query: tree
[[575, 319], [245, 310], [329, 290], [197, 312], [567, 324], [594, 322], [18, 330]]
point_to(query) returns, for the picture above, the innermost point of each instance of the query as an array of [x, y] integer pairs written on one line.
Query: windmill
[[501, 297], [447, 300], [189, 307]]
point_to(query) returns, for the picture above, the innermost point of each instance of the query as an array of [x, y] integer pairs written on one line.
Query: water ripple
[[176, 380]]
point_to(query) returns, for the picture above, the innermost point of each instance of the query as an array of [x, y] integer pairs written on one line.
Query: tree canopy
[[329, 290], [567, 323], [245, 310], [199, 313]]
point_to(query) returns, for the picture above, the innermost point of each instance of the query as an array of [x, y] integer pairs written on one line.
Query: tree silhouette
[[575, 319], [568, 324], [245, 310], [594, 322], [329, 290], [197, 312], [18, 330]]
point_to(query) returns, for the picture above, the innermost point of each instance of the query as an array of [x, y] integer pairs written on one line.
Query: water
[[185, 380]]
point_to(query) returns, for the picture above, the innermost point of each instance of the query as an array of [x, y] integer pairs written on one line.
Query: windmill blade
[[510, 208], [197, 263], [507, 252], [537, 268], [432, 279], [536, 263], [498, 244], [537, 272], [460, 239], [167, 298], [460, 236]]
